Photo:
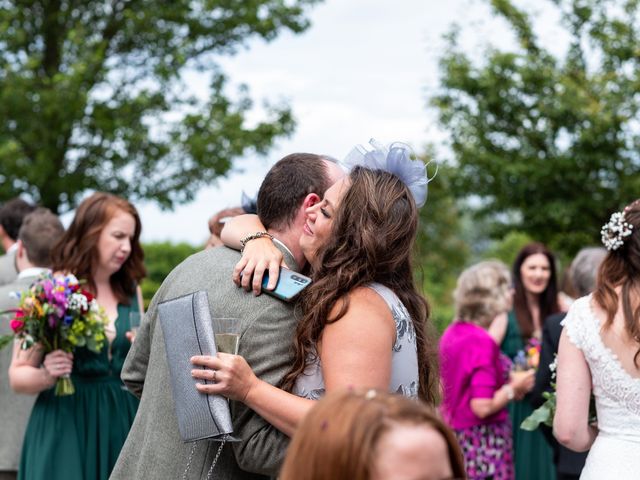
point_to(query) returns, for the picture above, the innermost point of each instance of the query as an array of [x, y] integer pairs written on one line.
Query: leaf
[[545, 143], [5, 340], [93, 345], [106, 110], [542, 414]]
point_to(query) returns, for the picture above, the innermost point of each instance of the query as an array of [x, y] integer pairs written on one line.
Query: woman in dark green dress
[[79, 436], [535, 298]]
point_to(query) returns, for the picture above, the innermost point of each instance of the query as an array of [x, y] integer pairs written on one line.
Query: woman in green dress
[[79, 436], [535, 298]]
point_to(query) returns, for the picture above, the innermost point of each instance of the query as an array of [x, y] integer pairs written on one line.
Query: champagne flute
[[227, 334], [134, 322], [227, 338]]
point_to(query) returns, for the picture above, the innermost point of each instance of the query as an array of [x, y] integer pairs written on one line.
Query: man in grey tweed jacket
[[154, 448]]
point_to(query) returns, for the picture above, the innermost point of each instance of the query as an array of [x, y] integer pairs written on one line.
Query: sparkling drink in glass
[[227, 334]]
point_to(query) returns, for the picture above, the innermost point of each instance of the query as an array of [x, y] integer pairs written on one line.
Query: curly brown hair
[[76, 250], [372, 238], [621, 268]]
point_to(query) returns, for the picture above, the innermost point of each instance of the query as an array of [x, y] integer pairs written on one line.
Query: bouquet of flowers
[[56, 313], [529, 357], [545, 412]]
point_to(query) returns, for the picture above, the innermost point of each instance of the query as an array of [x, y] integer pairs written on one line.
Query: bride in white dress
[[600, 354]]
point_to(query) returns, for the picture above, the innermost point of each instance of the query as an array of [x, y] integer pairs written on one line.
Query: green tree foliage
[[93, 95], [159, 259], [549, 146], [441, 250], [506, 249]]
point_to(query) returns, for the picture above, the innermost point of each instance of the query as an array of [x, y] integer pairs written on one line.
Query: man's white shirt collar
[[280, 244], [32, 272]]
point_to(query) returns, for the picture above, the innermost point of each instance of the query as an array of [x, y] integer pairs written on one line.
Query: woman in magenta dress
[[476, 377]]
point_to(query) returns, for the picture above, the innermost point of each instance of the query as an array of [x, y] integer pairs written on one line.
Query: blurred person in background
[[12, 214], [217, 221], [39, 231], [582, 272], [518, 334], [477, 380], [372, 435], [566, 291], [79, 436], [599, 354]]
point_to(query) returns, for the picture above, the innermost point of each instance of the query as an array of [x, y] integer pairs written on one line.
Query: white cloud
[[360, 71]]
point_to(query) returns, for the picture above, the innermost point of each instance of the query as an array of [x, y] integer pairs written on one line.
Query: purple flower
[[60, 297], [52, 321], [67, 320], [47, 286]]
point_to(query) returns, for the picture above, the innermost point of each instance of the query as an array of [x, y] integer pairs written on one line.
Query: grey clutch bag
[[187, 328]]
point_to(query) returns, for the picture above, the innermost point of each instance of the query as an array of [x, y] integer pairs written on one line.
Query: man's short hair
[[40, 230], [12, 214], [286, 185]]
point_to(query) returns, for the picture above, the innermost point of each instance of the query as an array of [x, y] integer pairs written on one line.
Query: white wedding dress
[[615, 454]]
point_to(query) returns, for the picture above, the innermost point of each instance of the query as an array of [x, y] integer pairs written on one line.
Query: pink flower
[[17, 323]]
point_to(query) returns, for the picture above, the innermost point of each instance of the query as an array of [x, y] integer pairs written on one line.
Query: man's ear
[[310, 200], [21, 251]]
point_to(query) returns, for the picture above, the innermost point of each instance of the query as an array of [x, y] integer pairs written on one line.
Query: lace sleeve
[[576, 323]]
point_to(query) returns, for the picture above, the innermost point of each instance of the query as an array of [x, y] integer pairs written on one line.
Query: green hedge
[[160, 258]]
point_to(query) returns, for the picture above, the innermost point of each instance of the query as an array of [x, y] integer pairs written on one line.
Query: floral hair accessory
[[615, 231], [396, 160]]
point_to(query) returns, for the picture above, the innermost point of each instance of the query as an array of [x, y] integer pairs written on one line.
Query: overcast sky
[[363, 69]]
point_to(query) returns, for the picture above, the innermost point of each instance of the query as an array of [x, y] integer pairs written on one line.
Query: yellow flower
[[38, 307]]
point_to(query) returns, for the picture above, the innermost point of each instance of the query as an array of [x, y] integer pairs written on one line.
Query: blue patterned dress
[[404, 360]]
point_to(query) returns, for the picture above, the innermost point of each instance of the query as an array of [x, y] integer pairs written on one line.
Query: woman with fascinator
[[363, 322], [599, 354]]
